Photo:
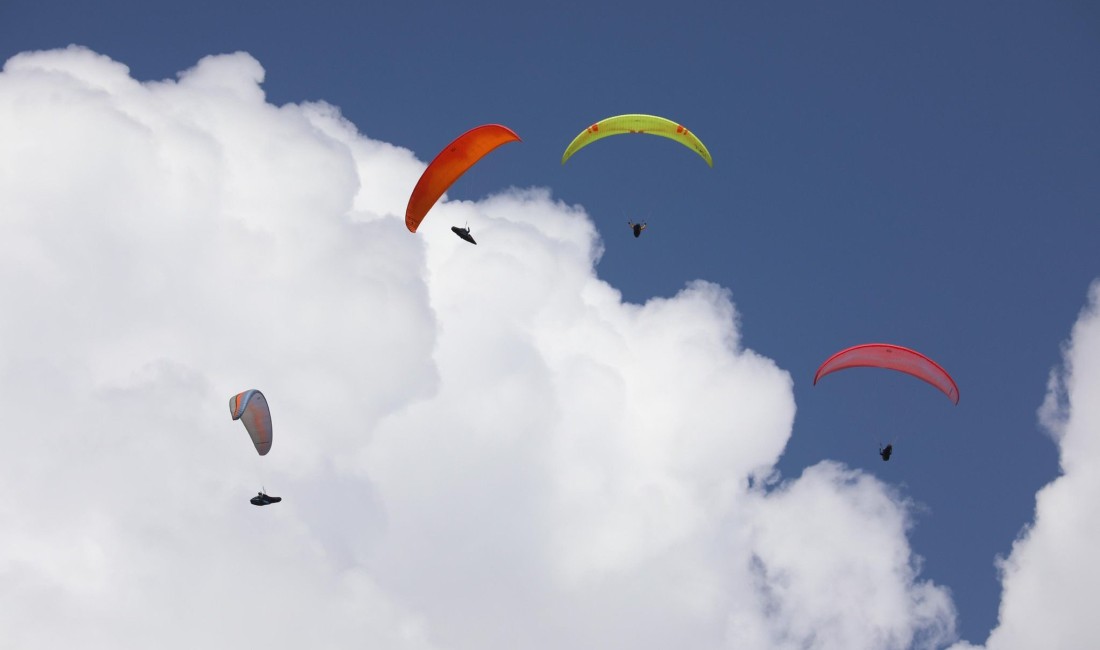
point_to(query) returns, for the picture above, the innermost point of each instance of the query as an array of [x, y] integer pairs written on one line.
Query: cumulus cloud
[[1050, 582], [478, 447]]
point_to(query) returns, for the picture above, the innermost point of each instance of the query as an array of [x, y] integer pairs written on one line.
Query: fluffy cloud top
[[477, 447]]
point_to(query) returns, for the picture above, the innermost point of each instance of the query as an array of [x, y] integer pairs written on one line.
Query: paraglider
[[637, 228], [637, 123], [891, 357], [451, 163], [262, 499], [464, 233], [250, 407]]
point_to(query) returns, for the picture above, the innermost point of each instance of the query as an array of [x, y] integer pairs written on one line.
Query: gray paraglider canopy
[[250, 407]]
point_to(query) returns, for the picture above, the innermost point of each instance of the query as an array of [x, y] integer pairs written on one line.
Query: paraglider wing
[[451, 163], [892, 357], [250, 407], [635, 123]]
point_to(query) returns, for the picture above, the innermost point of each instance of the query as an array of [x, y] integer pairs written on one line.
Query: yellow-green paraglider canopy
[[637, 123]]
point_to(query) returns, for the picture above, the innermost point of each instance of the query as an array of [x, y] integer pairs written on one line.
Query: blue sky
[[923, 175]]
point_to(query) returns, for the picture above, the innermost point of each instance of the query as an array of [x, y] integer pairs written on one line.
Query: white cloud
[[478, 447], [1050, 581], [830, 560]]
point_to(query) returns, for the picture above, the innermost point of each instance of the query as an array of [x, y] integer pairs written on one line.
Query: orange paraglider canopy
[[891, 357], [450, 164]]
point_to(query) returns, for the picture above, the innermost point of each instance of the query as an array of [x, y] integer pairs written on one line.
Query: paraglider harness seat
[[262, 499], [886, 451], [464, 233], [636, 227]]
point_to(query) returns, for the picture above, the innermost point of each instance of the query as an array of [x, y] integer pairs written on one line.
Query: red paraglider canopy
[[451, 163], [891, 357]]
